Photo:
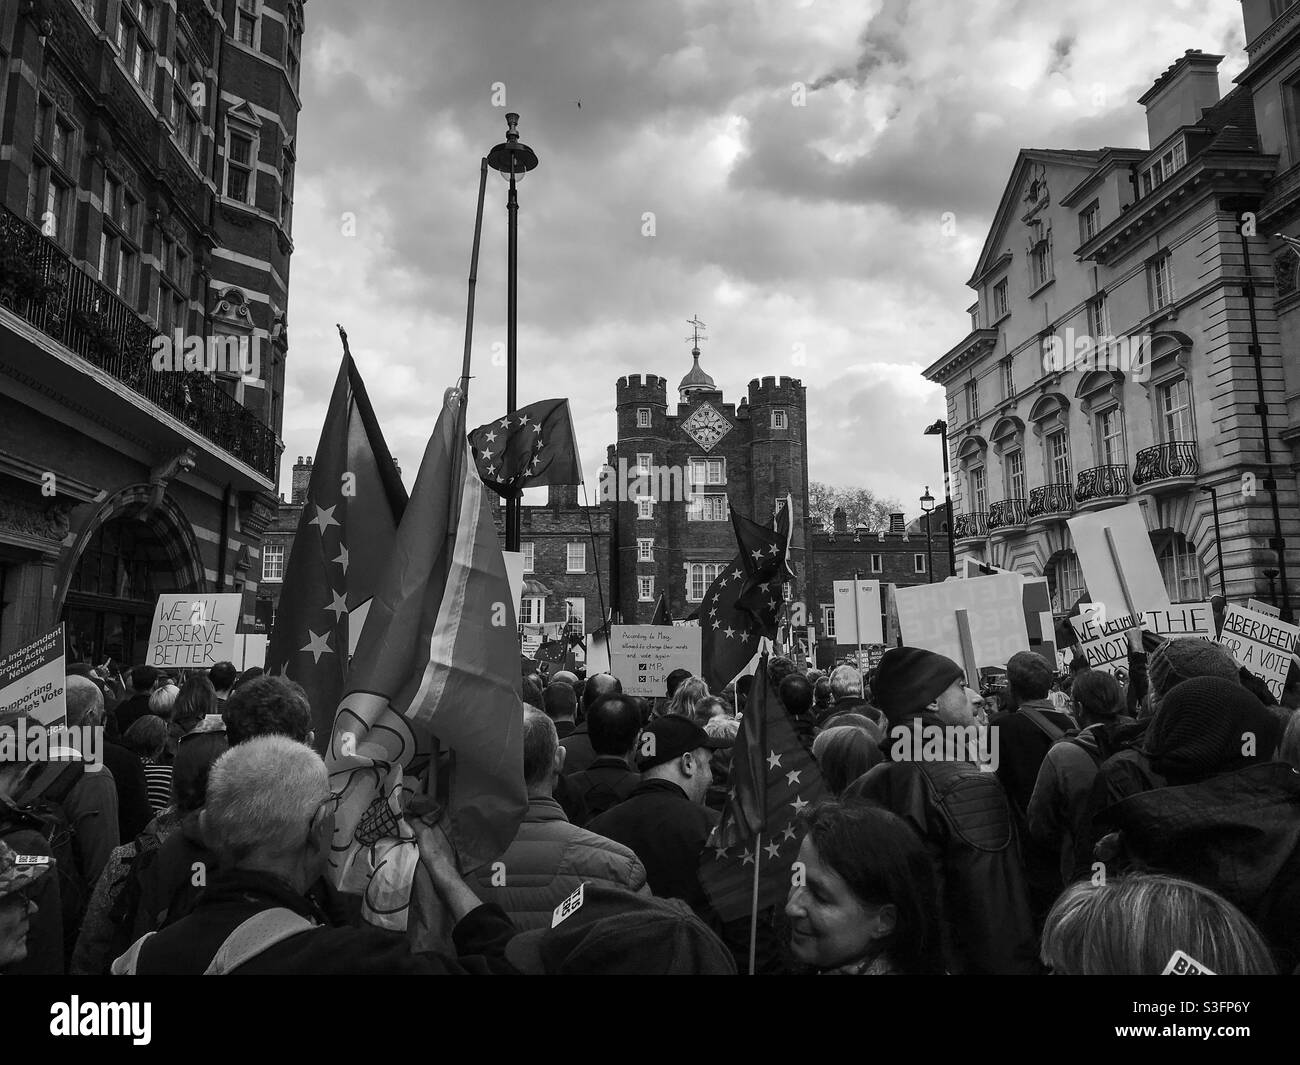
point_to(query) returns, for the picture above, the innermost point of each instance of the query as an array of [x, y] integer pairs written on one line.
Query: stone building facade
[[146, 175]]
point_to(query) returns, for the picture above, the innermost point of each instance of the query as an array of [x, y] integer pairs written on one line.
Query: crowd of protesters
[[1121, 828]]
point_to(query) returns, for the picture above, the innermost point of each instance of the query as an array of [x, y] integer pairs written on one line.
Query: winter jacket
[[547, 861], [92, 956], [667, 832], [578, 752], [603, 784], [1022, 746], [968, 826], [187, 947], [1060, 811], [1237, 833]]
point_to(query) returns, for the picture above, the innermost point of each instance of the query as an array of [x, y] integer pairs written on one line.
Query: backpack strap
[[126, 964], [54, 782], [259, 933], [1054, 732]]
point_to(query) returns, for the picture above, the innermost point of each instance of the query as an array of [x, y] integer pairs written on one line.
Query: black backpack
[[38, 805]]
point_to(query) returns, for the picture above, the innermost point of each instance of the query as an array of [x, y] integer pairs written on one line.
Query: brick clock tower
[[748, 456]]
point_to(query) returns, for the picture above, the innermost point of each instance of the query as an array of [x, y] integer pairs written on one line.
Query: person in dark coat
[[579, 752], [613, 723], [136, 704], [962, 813], [796, 695], [255, 917], [664, 820]]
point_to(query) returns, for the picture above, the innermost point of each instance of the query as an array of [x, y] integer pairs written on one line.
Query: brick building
[[146, 182], [672, 526], [897, 555]]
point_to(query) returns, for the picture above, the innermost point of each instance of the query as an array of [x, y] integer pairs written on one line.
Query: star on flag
[[318, 645], [324, 518]]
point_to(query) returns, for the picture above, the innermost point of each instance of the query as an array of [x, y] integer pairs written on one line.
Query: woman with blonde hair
[[688, 693], [1136, 925]]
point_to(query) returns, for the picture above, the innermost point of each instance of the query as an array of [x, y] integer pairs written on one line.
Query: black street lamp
[[927, 507], [1218, 540], [940, 429], [513, 160], [1271, 574]]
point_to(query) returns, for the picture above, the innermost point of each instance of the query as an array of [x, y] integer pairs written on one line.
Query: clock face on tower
[[706, 426]]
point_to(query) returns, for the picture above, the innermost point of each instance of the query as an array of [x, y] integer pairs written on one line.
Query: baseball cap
[[17, 871], [671, 737], [603, 930]]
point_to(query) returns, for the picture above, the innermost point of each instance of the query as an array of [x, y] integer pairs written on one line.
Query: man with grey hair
[[92, 804], [846, 695], [270, 814], [550, 857]]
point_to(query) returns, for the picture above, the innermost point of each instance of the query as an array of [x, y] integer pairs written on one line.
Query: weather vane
[[696, 336]]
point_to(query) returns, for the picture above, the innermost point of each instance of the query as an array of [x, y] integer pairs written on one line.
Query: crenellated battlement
[[634, 388], [773, 391]]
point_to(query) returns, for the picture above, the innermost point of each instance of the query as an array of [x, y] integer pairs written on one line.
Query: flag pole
[[473, 276], [595, 562], [753, 905]]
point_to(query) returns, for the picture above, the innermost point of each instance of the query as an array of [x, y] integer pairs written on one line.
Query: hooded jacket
[[1237, 833], [966, 821]]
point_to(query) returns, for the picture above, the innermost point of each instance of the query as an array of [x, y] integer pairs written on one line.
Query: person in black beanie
[[1229, 818], [962, 813]]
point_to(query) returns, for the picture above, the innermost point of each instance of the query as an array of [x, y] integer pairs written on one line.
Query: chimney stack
[[561, 495], [841, 520], [301, 479], [1180, 94]]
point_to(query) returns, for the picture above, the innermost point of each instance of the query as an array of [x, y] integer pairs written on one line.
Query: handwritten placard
[[1261, 643], [193, 631], [1104, 640], [994, 606], [642, 656]]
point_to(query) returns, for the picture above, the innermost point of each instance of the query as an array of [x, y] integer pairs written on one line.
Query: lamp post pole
[[1218, 540], [512, 159], [927, 507], [940, 428]]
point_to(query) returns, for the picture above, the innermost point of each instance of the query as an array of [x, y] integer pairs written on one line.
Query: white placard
[[642, 656], [1128, 530], [1105, 640], [994, 607], [193, 631], [868, 611], [1261, 643], [33, 680], [1264, 608], [514, 561]]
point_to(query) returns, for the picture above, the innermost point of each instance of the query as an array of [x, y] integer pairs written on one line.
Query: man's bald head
[[600, 684], [571, 679], [85, 701]]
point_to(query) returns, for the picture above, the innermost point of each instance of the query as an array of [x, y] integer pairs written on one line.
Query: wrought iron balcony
[[1166, 461], [1006, 513], [1102, 482], [1056, 498], [968, 525], [41, 284]]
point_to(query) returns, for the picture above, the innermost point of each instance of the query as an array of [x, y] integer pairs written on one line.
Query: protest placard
[[32, 680], [1264, 608], [1104, 639], [1261, 643], [865, 612], [193, 631], [1119, 566], [994, 609], [642, 656]]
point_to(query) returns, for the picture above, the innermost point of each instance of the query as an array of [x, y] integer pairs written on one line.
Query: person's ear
[[321, 834], [561, 753], [886, 920], [311, 738]]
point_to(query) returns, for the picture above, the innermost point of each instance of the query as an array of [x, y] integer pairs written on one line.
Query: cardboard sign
[[514, 561], [193, 631], [642, 656], [1185, 965], [1115, 555], [1261, 643], [867, 611], [1264, 608], [994, 606], [1104, 641], [33, 679]]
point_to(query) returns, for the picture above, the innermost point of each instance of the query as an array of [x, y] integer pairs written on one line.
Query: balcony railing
[[1102, 482], [1057, 498], [41, 284], [1175, 459], [1006, 513], [964, 525]]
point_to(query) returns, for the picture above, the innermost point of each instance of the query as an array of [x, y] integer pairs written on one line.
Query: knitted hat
[[910, 678], [1204, 724], [610, 931], [1181, 659]]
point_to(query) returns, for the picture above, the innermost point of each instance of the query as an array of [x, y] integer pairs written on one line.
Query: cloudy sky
[[806, 229]]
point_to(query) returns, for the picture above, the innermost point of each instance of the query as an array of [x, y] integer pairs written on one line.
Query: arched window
[[1065, 578], [1180, 566]]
